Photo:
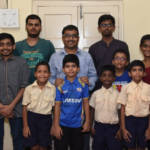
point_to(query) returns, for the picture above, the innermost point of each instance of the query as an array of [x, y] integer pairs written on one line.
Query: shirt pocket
[[112, 105], [49, 98], [34, 98], [99, 102], [145, 96], [131, 99], [34, 101]]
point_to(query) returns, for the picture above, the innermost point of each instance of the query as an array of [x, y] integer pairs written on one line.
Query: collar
[[104, 43], [64, 52], [11, 58], [48, 84], [104, 90], [75, 81], [135, 85]]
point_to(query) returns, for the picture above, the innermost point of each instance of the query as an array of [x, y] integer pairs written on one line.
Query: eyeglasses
[[120, 59], [106, 25], [70, 35]]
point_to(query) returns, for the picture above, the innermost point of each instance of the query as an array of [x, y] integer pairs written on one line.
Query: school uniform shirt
[[104, 101], [71, 95], [136, 98], [39, 100]]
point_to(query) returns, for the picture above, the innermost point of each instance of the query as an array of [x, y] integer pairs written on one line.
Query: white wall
[[136, 21], [136, 24]]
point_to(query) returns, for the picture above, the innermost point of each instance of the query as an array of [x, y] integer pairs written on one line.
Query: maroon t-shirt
[[147, 77]]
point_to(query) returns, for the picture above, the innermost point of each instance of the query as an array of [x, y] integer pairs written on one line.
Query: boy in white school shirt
[[38, 101], [104, 110], [135, 105]]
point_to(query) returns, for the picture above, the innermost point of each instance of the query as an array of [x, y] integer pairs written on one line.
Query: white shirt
[[136, 98], [104, 101], [39, 100]]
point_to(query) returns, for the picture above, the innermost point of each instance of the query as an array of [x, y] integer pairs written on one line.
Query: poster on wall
[[9, 18]]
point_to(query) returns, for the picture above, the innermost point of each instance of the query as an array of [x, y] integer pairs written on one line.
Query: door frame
[[117, 3]]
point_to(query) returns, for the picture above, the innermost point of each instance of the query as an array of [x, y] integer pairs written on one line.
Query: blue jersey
[[71, 94], [121, 81]]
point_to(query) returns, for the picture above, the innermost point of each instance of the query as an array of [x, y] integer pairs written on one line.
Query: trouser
[[72, 137], [16, 133]]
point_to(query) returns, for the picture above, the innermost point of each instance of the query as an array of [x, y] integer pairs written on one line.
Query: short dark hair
[[144, 38], [7, 36], [33, 16], [71, 58], [121, 51], [136, 63], [108, 68], [43, 63], [70, 27], [106, 17]]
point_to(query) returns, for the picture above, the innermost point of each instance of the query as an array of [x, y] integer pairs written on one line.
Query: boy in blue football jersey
[[71, 97]]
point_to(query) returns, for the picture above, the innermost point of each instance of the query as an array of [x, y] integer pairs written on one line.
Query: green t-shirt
[[42, 51]]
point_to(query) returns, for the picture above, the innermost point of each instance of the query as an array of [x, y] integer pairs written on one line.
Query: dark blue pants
[[137, 127], [104, 138], [148, 144], [72, 137], [86, 141], [16, 133]]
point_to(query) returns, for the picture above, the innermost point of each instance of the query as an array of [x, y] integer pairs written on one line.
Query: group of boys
[[74, 112]]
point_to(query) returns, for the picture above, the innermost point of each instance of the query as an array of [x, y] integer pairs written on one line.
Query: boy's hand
[[118, 134], [84, 79], [26, 132], [147, 134], [86, 127], [92, 132], [126, 135], [52, 130], [58, 81], [57, 131]]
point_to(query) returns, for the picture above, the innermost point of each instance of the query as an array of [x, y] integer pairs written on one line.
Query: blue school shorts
[[137, 127], [104, 138], [40, 126]]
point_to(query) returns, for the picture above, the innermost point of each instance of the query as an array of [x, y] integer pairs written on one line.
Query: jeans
[[16, 133]]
